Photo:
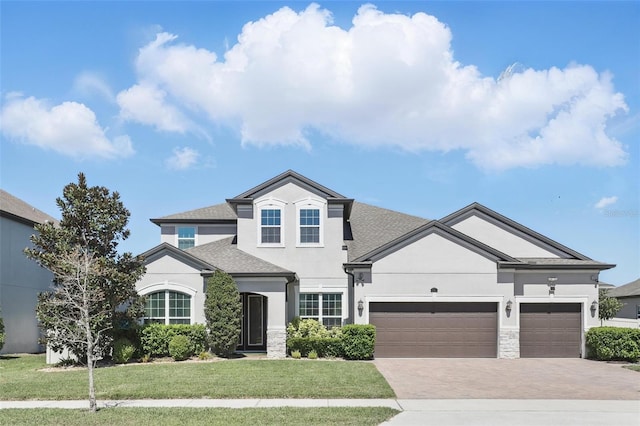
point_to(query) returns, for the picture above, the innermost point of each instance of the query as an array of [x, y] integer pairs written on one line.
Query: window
[[638, 311], [270, 225], [186, 237], [331, 313], [309, 226], [167, 307]]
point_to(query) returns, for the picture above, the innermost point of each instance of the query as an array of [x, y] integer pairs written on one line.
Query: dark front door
[[254, 322]]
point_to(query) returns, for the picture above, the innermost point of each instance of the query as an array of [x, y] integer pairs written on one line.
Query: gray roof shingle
[[22, 210], [222, 211], [372, 227], [631, 289], [224, 254]]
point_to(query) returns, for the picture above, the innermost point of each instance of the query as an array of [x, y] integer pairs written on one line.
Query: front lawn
[[201, 416], [633, 367], [22, 377]]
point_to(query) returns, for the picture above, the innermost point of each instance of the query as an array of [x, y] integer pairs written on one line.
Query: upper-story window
[[310, 221], [271, 222], [186, 237], [271, 226]]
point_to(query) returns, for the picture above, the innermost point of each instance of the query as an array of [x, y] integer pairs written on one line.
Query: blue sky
[[530, 108]]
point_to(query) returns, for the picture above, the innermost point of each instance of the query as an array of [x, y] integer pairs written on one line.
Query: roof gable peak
[[289, 176]]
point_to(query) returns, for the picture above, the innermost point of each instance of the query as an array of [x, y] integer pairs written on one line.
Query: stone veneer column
[[509, 343], [276, 343]]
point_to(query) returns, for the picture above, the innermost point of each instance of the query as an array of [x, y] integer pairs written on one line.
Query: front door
[[254, 323]]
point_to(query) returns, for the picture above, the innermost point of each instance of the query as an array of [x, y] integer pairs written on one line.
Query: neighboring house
[[629, 295], [21, 279], [472, 284]]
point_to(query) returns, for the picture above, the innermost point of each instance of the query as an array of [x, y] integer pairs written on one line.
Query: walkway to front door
[[254, 322]]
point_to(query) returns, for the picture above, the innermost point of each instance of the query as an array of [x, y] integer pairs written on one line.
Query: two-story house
[[472, 284]]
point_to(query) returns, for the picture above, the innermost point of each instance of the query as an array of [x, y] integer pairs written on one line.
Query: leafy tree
[[608, 306], [94, 286], [223, 309]]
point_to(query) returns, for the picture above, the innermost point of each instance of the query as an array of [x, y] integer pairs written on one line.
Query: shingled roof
[[631, 289], [224, 254], [218, 212], [372, 227], [15, 208]]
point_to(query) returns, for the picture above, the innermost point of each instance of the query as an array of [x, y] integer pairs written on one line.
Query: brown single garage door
[[550, 330], [434, 329]]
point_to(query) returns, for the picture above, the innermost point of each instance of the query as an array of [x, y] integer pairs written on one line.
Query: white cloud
[[606, 201], [388, 80], [182, 158], [88, 83], [69, 128]]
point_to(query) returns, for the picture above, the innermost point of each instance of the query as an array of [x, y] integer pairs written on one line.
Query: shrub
[[306, 328], [180, 348], [324, 347], [1, 332], [123, 351], [296, 354], [358, 341], [223, 310], [155, 338], [204, 355], [313, 355], [614, 343]]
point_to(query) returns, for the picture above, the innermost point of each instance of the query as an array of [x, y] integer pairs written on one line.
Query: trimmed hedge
[[324, 347], [180, 347], [155, 338], [123, 350], [613, 343], [358, 341]]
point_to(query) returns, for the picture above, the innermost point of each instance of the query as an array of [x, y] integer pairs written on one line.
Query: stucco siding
[[629, 307], [21, 279], [500, 238]]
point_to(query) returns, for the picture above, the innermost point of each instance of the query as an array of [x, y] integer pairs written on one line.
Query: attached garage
[[435, 329], [550, 330]]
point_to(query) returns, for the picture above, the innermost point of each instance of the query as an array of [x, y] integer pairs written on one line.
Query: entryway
[[254, 323]]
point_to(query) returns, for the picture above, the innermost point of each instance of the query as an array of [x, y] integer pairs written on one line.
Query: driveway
[[462, 378]]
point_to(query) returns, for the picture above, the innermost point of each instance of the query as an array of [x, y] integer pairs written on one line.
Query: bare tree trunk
[[90, 355]]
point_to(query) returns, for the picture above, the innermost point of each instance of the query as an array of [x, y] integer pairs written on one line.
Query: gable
[[506, 235], [168, 263], [436, 252]]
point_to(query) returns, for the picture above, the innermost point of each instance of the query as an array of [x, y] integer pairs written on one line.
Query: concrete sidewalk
[[425, 412]]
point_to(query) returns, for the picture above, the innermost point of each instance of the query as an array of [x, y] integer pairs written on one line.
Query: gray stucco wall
[[629, 307], [21, 280]]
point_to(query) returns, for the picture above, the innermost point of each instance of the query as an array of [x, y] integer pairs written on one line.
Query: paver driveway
[[455, 378]]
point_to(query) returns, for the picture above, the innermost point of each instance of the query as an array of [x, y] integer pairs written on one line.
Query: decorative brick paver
[[458, 378]]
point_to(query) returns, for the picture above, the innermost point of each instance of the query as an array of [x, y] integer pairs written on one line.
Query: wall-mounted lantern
[[360, 307], [594, 307], [509, 306]]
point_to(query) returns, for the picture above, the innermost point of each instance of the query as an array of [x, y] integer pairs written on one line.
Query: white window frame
[[166, 287], [310, 204], [195, 234], [270, 204], [320, 318]]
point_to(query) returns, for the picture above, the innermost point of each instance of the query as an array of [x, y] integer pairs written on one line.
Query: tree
[[94, 285], [608, 306], [223, 310]]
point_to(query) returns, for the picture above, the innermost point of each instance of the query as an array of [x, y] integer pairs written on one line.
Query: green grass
[[632, 367], [200, 416], [21, 378]]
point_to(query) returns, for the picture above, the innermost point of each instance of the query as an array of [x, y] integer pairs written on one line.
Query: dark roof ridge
[[287, 176]]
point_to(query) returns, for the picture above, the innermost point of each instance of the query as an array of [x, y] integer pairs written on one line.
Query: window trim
[[320, 293], [310, 204], [270, 204], [166, 287], [195, 234]]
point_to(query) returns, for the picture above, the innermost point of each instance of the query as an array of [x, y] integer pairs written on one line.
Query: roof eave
[[161, 221], [555, 266]]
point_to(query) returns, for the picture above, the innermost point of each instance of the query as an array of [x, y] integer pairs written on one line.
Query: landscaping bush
[[223, 311], [313, 355], [309, 335], [613, 343], [155, 338], [123, 351], [180, 347], [358, 341]]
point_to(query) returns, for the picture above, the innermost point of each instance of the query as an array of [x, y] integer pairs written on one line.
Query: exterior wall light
[[360, 307], [509, 306], [594, 306]]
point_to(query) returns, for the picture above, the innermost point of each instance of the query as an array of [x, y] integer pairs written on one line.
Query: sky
[[529, 108]]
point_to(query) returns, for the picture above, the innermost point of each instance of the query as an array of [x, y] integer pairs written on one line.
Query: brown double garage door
[[470, 329]]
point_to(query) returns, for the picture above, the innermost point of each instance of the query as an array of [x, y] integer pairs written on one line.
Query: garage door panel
[[435, 329], [550, 330]]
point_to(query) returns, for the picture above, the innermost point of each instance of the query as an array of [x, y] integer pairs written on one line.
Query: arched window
[[167, 307]]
